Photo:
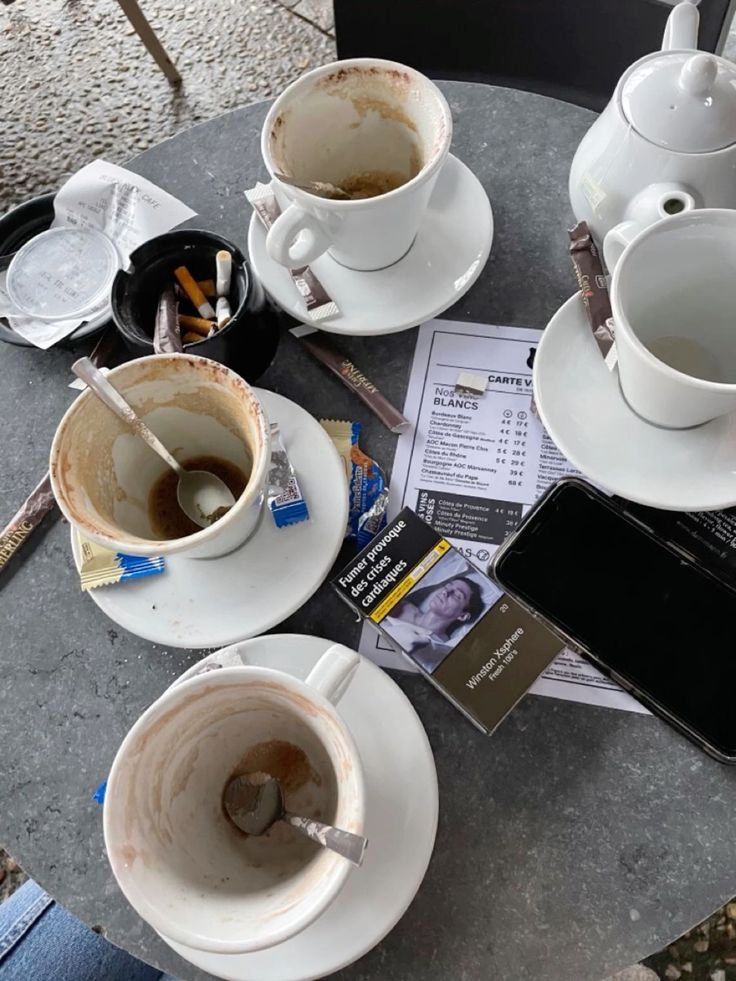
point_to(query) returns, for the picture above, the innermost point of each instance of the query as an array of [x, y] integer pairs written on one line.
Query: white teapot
[[665, 143]]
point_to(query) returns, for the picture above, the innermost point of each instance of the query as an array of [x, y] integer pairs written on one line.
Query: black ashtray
[[247, 344], [18, 227]]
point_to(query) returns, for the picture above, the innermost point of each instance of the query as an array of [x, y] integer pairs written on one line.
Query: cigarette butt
[[194, 293], [196, 324], [191, 338], [224, 315], [208, 287], [224, 264]]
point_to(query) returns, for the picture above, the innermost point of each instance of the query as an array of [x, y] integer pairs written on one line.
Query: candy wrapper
[[285, 500], [374, 519], [101, 567], [366, 480]]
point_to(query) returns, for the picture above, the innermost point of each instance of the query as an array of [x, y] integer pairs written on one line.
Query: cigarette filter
[[195, 294], [224, 265]]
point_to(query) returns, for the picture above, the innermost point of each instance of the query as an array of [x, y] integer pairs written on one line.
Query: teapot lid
[[682, 100]]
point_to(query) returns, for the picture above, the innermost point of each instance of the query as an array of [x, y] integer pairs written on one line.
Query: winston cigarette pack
[[474, 643]]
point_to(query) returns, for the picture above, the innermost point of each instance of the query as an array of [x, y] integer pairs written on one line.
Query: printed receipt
[[472, 466], [129, 209]]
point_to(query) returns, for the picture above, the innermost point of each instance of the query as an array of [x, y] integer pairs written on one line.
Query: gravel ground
[[78, 84], [11, 875], [707, 953]]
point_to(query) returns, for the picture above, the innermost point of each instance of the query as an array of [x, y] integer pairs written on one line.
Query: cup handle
[[616, 241], [334, 671], [296, 238]]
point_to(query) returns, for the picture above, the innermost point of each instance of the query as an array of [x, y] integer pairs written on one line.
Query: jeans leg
[[40, 940]]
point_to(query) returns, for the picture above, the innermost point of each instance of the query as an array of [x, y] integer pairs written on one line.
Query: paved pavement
[[77, 82]]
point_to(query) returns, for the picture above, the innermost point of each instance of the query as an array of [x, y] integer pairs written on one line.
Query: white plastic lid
[[682, 100], [62, 273]]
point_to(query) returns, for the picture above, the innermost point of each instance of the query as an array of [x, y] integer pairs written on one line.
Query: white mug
[[344, 122], [183, 866], [673, 296], [102, 473]]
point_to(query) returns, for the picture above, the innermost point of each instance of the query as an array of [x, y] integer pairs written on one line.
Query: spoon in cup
[[255, 801], [202, 496], [322, 189]]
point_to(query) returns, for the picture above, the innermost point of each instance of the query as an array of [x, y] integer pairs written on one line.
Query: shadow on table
[[553, 856]]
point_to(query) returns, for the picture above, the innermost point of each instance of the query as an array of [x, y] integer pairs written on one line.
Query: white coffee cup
[[102, 473], [673, 296], [346, 119], [178, 859]]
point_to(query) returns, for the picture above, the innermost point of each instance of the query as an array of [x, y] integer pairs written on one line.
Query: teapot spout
[[661, 200], [682, 27]]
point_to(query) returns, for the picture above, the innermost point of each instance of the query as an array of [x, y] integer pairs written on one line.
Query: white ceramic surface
[[350, 118], [178, 859], [102, 472], [448, 255], [669, 130], [581, 405], [401, 826], [220, 601], [673, 296]]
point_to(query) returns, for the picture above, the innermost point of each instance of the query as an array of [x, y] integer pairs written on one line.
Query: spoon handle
[[345, 843], [107, 393]]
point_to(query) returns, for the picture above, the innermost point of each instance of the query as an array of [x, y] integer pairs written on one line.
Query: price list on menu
[[474, 464]]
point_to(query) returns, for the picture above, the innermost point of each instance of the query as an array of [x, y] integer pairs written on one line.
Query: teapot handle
[[682, 26]]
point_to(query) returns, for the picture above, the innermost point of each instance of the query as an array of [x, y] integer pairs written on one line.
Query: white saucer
[[401, 822], [581, 405], [213, 602], [447, 257]]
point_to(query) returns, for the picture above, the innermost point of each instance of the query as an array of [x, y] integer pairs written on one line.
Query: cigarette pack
[[471, 640]]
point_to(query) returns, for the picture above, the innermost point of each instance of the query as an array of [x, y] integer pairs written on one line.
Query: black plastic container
[[19, 226], [247, 344]]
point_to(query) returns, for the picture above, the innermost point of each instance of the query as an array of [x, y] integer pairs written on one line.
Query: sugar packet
[[101, 567]]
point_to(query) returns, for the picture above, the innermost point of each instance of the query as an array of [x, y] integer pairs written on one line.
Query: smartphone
[[647, 614]]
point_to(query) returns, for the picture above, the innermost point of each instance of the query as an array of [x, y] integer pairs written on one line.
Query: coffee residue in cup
[[373, 183], [168, 521], [284, 761]]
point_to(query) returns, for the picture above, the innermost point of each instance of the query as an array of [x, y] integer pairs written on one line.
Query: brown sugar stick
[[195, 294], [196, 324], [593, 289], [321, 347]]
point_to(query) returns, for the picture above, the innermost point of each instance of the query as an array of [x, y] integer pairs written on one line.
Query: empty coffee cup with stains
[[377, 130], [182, 863], [119, 493]]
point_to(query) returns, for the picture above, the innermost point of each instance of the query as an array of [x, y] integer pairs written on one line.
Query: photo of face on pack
[[440, 610]]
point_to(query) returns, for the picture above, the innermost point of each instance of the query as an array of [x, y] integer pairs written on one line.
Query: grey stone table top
[[573, 842]]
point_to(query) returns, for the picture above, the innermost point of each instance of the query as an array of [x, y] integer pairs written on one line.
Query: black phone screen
[[652, 617]]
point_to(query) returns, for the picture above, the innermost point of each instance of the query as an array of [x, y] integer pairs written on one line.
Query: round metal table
[[573, 842]]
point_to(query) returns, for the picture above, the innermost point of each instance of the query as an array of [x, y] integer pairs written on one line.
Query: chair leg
[[146, 33]]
